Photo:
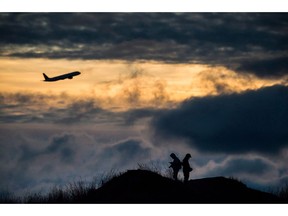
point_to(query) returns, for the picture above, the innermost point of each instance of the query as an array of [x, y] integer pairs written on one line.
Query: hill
[[142, 186]]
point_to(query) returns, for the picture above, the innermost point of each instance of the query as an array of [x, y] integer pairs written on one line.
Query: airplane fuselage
[[61, 77]]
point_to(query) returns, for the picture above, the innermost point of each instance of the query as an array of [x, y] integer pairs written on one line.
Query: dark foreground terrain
[[140, 186], [143, 186]]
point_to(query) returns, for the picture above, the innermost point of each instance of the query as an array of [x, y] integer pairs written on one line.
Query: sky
[[214, 85]]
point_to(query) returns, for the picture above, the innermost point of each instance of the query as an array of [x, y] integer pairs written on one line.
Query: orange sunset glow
[[123, 83]]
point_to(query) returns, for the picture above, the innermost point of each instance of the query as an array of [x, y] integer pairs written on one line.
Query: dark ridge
[[142, 186]]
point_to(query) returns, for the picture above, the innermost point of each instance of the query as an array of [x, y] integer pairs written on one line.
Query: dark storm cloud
[[264, 67], [228, 39], [253, 121]]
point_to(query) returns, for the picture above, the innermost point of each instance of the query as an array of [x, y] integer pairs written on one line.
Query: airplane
[[61, 77]]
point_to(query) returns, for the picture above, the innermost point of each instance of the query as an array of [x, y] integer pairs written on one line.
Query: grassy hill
[[144, 186]]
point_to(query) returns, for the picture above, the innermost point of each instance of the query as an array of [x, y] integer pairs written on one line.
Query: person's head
[[188, 156], [173, 155]]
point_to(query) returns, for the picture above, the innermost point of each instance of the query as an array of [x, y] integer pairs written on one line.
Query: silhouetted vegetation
[[75, 192], [281, 192], [153, 167], [148, 185]]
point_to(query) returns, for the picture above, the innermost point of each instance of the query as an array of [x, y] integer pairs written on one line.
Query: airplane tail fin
[[45, 76]]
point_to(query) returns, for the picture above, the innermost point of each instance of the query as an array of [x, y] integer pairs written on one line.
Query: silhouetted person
[[186, 167], [175, 165]]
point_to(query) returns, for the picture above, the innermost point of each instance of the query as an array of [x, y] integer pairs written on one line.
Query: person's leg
[[175, 174], [186, 177]]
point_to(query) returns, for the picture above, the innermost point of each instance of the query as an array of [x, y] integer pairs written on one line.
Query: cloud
[[35, 157], [29, 107], [60, 109], [226, 39], [275, 67], [126, 153], [30, 161], [254, 170], [62, 147], [83, 110], [253, 121], [133, 115], [62, 144], [244, 166]]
